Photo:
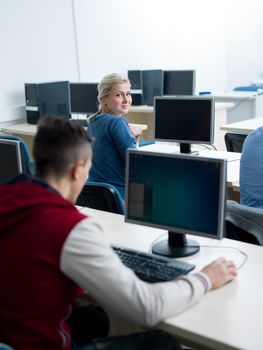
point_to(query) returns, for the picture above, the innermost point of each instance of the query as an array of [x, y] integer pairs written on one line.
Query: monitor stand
[[176, 246], [186, 148]]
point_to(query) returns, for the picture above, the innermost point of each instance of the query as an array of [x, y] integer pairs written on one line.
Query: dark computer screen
[[184, 119], [10, 159], [135, 77], [152, 85], [84, 98], [54, 98], [180, 193], [179, 82]]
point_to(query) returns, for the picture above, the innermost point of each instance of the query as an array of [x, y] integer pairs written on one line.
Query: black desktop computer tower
[[135, 77], [47, 98], [136, 98]]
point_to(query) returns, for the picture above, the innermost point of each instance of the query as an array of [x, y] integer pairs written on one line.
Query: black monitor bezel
[[192, 98]]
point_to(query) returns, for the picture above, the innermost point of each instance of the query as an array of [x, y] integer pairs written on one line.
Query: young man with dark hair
[[49, 251]]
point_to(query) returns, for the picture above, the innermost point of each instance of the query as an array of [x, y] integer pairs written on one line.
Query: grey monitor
[[179, 82], [54, 99], [183, 194], [184, 119], [84, 98]]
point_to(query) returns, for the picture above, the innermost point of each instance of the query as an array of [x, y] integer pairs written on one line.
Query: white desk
[[246, 104], [244, 126], [144, 115], [228, 318], [31, 129]]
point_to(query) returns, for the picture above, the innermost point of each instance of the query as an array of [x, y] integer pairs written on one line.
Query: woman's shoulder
[[113, 119]]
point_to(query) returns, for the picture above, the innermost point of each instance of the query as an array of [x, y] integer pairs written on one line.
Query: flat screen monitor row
[[64, 98], [157, 82], [183, 119]]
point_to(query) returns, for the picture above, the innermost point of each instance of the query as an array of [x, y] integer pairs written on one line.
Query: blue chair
[[252, 88], [27, 165], [102, 196]]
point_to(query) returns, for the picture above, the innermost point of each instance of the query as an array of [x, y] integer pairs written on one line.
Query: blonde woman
[[111, 131]]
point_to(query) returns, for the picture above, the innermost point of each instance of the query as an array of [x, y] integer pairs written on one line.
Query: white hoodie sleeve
[[88, 259]]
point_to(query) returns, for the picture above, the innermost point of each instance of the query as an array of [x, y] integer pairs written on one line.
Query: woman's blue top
[[112, 138]]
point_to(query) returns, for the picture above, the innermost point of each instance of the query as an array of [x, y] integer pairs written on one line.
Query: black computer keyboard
[[152, 267]]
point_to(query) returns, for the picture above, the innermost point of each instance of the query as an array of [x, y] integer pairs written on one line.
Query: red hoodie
[[35, 296]]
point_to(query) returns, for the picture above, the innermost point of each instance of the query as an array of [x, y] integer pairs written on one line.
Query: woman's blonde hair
[[107, 83]]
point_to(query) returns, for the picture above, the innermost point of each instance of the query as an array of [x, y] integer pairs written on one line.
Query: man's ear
[[76, 169]]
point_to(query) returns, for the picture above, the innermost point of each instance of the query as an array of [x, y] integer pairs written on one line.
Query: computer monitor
[[184, 119], [84, 98], [179, 82], [181, 193], [152, 85], [54, 98], [10, 159], [135, 77]]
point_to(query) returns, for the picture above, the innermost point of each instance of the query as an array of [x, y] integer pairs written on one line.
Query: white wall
[[244, 42], [117, 35], [222, 40], [37, 44]]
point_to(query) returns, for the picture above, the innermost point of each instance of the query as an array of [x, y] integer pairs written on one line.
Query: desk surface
[[247, 125], [31, 129], [228, 318]]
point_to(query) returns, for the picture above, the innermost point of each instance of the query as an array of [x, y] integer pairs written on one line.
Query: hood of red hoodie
[[19, 201]]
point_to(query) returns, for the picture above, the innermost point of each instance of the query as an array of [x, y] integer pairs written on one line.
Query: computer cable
[[210, 246]]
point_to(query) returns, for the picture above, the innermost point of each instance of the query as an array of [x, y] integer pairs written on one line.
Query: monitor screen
[[180, 193], [184, 119], [54, 99], [10, 159], [84, 98], [135, 77], [152, 85], [179, 82]]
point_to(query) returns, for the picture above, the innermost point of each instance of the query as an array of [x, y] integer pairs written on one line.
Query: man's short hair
[[58, 144]]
